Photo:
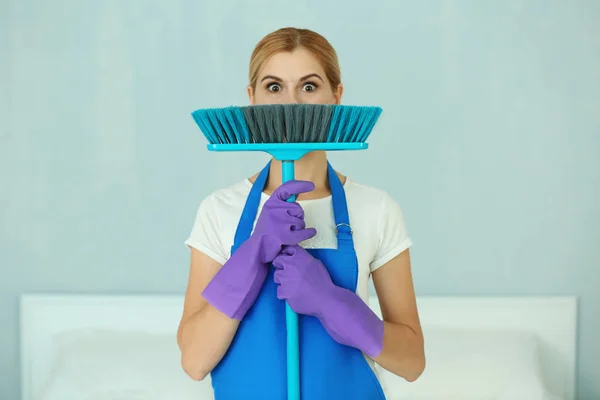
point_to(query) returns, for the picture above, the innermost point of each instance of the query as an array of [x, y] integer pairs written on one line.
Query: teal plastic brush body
[[287, 151], [287, 132]]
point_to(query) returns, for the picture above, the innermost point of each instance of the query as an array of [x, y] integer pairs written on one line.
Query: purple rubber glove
[[307, 287], [281, 223], [236, 285]]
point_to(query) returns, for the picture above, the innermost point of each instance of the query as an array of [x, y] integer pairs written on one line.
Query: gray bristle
[[295, 124], [276, 123], [287, 123], [288, 118], [257, 116], [251, 124], [304, 118], [290, 123], [322, 123]]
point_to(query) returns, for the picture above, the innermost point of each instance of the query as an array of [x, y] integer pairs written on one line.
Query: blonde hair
[[289, 39]]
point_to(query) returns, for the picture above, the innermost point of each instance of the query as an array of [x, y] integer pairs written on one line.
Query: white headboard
[[552, 319]]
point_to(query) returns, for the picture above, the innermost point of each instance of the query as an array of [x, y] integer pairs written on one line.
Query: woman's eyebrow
[[311, 76], [275, 78], [278, 79]]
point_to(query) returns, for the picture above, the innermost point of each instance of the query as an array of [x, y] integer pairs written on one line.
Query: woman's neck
[[312, 167]]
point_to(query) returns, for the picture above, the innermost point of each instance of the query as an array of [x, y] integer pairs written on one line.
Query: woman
[[316, 253]]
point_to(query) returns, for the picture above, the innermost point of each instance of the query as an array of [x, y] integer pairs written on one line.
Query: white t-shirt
[[378, 227]]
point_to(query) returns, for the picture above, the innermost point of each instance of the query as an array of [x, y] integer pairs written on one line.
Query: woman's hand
[[234, 289], [307, 287], [281, 222], [303, 281]]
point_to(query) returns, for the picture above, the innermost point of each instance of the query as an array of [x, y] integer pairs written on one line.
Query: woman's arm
[[204, 333], [403, 346], [395, 343], [219, 296]]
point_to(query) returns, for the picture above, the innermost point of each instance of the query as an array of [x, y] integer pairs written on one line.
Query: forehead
[[292, 65]]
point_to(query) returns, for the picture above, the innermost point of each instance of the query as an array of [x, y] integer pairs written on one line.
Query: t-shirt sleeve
[[393, 236], [205, 235]]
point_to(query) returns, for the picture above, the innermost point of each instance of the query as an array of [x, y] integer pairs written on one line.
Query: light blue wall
[[490, 141]]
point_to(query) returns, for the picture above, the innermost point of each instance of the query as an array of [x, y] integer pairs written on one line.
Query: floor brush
[[287, 132]]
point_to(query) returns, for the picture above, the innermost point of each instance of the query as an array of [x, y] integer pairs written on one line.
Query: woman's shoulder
[[232, 196], [372, 203], [379, 215], [365, 194], [233, 192]]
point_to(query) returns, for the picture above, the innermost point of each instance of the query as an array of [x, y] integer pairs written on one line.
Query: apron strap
[[246, 224], [340, 211]]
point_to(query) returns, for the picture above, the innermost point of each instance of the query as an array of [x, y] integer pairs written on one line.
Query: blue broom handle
[[291, 318]]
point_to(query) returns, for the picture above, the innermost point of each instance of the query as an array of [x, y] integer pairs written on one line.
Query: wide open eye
[[273, 87], [309, 87]]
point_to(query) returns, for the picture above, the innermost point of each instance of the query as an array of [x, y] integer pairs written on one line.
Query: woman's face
[[293, 77]]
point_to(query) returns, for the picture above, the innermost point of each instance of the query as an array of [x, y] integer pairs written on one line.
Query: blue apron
[[254, 367]]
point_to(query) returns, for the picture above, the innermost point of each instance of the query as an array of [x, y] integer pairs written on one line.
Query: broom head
[[283, 127]]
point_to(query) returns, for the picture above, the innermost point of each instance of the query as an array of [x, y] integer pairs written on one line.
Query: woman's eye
[[309, 87], [274, 87]]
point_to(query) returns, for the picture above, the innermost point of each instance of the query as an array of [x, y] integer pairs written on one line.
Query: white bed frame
[[552, 319]]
